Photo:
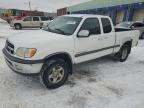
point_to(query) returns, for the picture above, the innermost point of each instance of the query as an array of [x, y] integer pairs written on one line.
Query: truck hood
[[34, 38]]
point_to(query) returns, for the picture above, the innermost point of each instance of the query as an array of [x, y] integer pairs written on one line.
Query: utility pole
[[30, 5]]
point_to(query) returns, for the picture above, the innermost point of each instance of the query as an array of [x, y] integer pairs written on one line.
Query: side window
[[28, 19], [138, 25], [35, 18], [107, 27], [51, 18], [44, 18], [91, 24]]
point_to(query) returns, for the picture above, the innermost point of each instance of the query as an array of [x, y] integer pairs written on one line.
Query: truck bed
[[123, 35]]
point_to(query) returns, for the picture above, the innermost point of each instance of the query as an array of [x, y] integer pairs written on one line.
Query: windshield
[[64, 25], [124, 24]]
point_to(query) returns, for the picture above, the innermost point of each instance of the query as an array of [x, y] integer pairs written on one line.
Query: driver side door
[[86, 47], [27, 22]]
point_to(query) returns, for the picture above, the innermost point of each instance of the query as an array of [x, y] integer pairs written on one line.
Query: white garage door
[[119, 17], [138, 15]]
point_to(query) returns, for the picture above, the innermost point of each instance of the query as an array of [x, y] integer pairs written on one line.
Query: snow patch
[[101, 83]]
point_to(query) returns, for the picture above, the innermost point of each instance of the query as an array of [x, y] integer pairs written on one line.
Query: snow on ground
[[2, 21], [101, 83]]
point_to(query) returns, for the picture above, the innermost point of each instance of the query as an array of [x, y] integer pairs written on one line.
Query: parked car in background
[[30, 22], [133, 25]]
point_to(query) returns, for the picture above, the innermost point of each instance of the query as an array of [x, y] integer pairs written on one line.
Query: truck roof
[[85, 15]]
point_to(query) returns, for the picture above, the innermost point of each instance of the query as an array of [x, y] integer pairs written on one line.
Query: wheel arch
[[129, 43], [18, 24], [63, 55]]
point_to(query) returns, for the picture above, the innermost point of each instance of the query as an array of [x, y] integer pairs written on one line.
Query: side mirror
[[132, 27], [83, 33]]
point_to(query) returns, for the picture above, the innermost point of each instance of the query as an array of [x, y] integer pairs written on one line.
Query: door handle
[[106, 38], [99, 38]]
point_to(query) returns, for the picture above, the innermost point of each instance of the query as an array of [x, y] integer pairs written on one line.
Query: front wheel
[[17, 26], [54, 73], [123, 53]]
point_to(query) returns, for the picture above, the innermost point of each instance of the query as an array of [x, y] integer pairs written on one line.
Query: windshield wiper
[[61, 31], [56, 29]]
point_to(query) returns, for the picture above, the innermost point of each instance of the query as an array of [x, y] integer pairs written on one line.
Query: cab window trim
[[91, 18]]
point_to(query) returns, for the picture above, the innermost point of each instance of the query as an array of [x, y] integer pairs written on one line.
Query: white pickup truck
[[69, 39]]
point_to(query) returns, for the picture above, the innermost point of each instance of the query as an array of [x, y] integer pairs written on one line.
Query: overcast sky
[[42, 5]]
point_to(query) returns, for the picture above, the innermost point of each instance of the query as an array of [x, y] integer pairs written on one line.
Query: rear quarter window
[[44, 18], [138, 25], [107, 27]]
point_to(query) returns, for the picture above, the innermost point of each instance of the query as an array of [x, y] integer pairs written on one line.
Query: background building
[[10, 14], [2, 11], [17, 12], [62, 11], [118, 10], [51, 15]]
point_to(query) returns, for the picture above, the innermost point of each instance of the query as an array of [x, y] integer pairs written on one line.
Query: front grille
[[9, 47]]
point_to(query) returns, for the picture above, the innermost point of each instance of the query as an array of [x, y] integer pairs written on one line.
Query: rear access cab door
[[100, 41]]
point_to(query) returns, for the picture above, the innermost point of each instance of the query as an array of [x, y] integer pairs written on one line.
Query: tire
[[123, 54], [142, 36], [54, 73], [41, 25], [17, 26]]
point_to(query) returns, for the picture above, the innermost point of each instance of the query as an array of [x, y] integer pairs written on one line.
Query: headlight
[[26, 52], [30, 52], [20, 52]]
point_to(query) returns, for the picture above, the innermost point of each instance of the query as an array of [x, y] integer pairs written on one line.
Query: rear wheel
[[54, 73], [41, 25], [142, 36], [123, 53], [17, 26]]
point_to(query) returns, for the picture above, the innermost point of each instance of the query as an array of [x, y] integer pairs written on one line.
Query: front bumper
[[26, 67]]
